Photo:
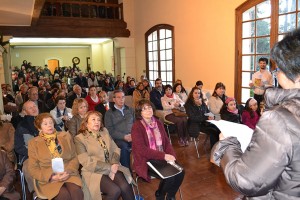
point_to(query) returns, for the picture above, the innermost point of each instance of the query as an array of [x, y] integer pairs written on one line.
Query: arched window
[[260, 24], [160, 53]]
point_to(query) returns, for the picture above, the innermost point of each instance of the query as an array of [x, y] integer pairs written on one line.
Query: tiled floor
[[203, 180]]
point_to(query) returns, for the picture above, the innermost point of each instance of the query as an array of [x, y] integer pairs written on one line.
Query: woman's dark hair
[[140, 105], [59, 98], [168, 86], [190, 98], [219, 85], [286, 55], [175, 86], [84, 121], [248, 109]]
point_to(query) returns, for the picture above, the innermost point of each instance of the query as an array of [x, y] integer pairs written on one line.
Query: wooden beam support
[[38, 6]]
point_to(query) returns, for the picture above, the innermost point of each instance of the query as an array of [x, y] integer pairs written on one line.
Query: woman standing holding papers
[[42, 149], [150, 142], [100, 159], [269, 167]]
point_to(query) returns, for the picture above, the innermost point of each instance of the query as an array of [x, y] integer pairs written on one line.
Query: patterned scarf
[[98, 137], [153, 133], [52, 144]]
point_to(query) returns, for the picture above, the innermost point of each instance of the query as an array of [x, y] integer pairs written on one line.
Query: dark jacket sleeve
[[257, 170], [20, 147]]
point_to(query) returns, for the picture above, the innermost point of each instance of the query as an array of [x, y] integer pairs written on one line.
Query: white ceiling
[[16, 12]]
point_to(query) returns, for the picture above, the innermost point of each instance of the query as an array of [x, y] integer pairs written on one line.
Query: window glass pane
[[155, 55], [287, 6], [246, 94], [163, 66], [280, 37], [151, 67], [151, 75], [162, 44], [150, 56], [154, 35], [248, 29], [155, 65], [169, 54], [163, 55], [162, 34], [298, 18], [249, 14], [156, 75], [169, 65], [246, 77], [169, 77], [154, 45], [287, 23], [149, 46], [263, 9], [263, 45], [248, 63], [169, 43], [248, 46], [263, 27], [163, 76], [168, 33], [150, 37]]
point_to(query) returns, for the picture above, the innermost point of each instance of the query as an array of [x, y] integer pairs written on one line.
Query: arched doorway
[[52, 64]]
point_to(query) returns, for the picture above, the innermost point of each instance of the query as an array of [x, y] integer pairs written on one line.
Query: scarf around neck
[[52, 144], [153, 133]]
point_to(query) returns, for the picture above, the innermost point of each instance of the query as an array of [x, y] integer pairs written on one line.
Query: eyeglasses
[[146, 108]]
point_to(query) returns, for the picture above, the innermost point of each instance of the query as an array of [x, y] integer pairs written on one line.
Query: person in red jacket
[[93, 98], [150, 142]]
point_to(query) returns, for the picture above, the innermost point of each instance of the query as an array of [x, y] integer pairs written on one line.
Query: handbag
[[179, 112]]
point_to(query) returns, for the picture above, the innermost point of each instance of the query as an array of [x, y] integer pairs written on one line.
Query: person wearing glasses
[[118, 120], [150, 142]]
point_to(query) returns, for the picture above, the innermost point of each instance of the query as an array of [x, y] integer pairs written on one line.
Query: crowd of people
[[67, 117]]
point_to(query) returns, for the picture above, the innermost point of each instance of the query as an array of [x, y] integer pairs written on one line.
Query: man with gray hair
[[76, 93]]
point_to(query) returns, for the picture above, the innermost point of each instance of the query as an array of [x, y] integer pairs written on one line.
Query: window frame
[[149, 32]]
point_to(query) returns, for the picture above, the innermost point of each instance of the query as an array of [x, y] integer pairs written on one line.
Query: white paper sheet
[[242, 132], [58, 165]]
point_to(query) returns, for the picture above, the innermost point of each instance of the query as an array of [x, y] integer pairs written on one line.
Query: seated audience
[[156, 94], [108, 85], [33, 96], [118, 121], [250, 115], [61, 114], [100, 157], [7, 178], [199, 85], [229, 111], [75, 94], [22, 96], [139, 93], [217, 100], [131, 87], [79, 109], [92, 98], [64, 185], [150, 142], [92, 80], [105, 105], [171, 101], [147, 85], [178, 89], [196, 110]]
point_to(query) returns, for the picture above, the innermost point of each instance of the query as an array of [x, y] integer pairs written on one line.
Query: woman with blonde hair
[[100, 159], [48, 147], [79, 109]]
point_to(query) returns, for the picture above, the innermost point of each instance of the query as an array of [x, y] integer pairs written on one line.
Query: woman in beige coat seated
[[41, 152], [79, 109], [99, 156]]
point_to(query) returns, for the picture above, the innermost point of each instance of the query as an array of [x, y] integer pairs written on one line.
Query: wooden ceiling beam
[[38, 6]]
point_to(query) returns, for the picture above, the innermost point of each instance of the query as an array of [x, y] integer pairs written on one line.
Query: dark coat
[[231, 117], [269, 168], [155, 98], [72, 97], [196, 117]]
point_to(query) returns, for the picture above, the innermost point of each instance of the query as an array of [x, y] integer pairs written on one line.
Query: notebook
[[165, 169]]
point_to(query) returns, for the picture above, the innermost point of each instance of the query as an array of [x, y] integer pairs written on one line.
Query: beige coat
[[40, 168], [91, 157]]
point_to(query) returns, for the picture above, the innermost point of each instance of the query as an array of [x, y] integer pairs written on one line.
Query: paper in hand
[[57, 165], [242, 132], [209, 114]]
